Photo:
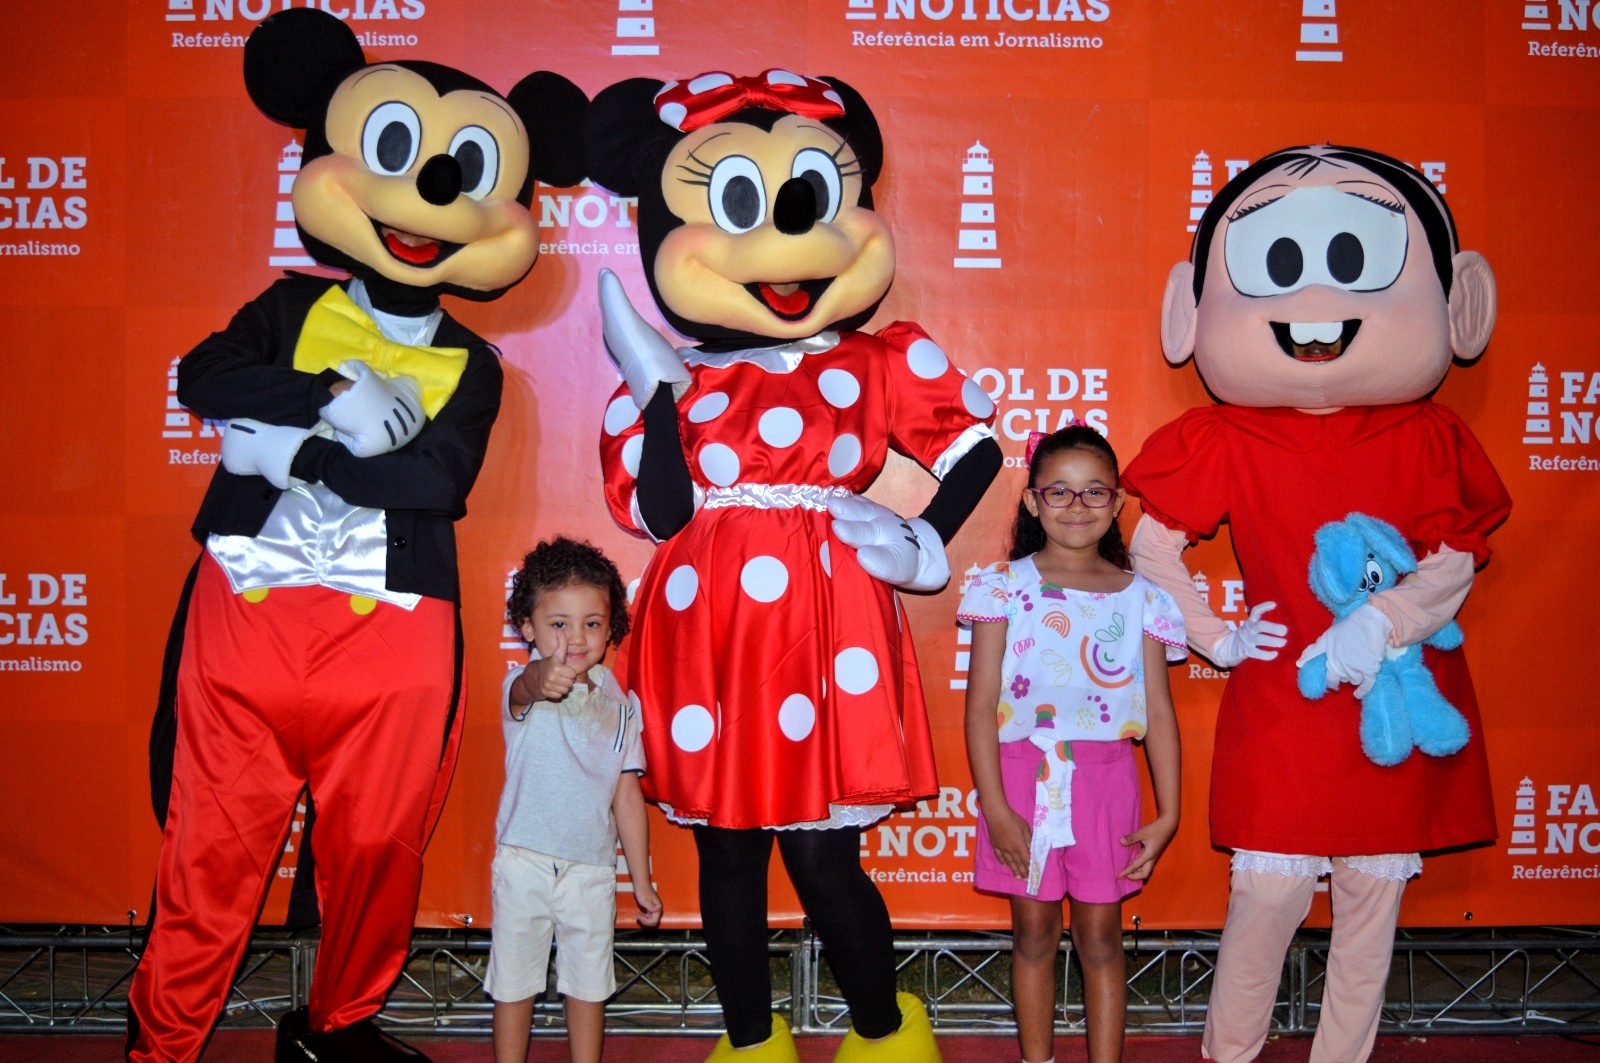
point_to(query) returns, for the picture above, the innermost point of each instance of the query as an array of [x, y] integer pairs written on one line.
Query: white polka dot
[[844, 455], [780, 426], [673, 114], [926, 359], [855, 670], [796, 717], [715, 79], [977, 402], [630, 454], [834, 96], [719, 463], [827, 561], [839, 387], [764, 578], [784, 77], [692, 728], [620, 414], [708, 407], [682, 586]]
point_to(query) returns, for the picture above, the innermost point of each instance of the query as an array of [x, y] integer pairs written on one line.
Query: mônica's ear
[[1472, 305], [294, 60], [1178, 314]]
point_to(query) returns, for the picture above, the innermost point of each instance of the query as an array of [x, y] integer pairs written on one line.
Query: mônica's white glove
[[643, 356], [1355, 647], [903, 551], [1256, 637], [252, 448], [377, 413]]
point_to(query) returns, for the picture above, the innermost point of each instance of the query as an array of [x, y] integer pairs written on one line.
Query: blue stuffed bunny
[[1355, 558]]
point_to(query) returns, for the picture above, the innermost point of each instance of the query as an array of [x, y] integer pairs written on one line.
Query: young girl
[[573, 761], [1069, 657]]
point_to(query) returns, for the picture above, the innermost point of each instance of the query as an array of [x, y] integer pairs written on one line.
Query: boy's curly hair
[[562, 562]]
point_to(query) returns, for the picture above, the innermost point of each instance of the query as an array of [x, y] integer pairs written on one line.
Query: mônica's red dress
[[777, 678], [1288, 774]]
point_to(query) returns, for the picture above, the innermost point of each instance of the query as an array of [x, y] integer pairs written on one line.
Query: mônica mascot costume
[[1323, 302], [779, 685], [321, 642]]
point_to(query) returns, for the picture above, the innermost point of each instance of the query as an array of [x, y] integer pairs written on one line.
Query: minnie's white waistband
[[774, 496]]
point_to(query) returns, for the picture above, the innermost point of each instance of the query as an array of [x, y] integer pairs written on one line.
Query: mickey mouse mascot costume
[[1323, 302], [778, 682], [321, 642]]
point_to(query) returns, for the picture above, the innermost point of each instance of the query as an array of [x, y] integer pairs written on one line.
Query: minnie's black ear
[[860, 128], [552, 109], [294, 60], [619, 133]]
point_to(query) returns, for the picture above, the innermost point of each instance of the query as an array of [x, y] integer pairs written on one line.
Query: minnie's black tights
[[844, 907]]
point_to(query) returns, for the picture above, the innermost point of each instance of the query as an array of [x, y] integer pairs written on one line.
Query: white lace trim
[[1292, 865], [970, 437], [774, 496], [1392, 867], [842, 816]]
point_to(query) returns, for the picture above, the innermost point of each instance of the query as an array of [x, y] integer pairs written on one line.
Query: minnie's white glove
[[377, 413], [643, 356], [903, 551], [1355, 647], [252, 448], [1255, 637]]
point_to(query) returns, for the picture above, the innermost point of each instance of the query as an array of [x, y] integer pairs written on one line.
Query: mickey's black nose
[[439, 180]]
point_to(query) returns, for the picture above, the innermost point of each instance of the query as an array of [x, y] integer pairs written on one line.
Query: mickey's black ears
[[618, 134], [293, 62], [552, 109]]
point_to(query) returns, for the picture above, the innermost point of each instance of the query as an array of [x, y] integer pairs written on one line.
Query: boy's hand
[[1153, 837], [550, 676], [1010, 838], [644, 895]]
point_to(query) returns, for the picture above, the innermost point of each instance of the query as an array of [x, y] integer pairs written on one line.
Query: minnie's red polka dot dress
[[775, 676]]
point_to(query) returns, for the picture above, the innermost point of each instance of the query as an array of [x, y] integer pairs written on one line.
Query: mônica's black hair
[[1027, 533], [563, 562], [1418, 192]]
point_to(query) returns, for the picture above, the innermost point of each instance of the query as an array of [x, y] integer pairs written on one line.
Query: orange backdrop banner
[[1046, 160]]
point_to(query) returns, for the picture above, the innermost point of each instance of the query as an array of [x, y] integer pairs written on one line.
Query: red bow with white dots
[[688, 105]]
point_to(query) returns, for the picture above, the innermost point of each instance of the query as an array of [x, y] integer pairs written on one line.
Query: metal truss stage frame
[[1514, 980]]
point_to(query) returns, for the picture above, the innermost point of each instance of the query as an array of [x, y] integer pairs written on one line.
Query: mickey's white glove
[[903, 551], [1256, 637], [377, 413], [1355, 647], [644, 357], [251, 448]]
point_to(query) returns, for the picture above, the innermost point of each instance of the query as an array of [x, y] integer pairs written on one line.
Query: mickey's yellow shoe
[[913, 1042], [778, 1048]]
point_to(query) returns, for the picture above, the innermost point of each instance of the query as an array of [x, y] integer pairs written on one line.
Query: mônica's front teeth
[[1326, 332]]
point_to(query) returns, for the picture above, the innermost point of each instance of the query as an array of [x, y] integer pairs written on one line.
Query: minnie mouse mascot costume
[[778, 682], [318, 642]]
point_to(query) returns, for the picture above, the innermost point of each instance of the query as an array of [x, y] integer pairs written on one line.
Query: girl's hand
[[1153, 838], [551, 677], [1011, 838], [644, 895]]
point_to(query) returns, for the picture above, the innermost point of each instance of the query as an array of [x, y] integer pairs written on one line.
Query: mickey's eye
[[738, 198], [390, 138], [478, 154], [822, 174], [1316, 236]]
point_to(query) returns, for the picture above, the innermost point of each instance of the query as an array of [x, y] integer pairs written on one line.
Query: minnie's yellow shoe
[[913, 1042], [778, 1048]]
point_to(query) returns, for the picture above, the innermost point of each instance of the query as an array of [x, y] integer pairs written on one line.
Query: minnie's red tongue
[[792, 304], [416, 254]]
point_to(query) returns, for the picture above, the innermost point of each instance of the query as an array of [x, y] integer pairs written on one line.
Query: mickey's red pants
[[298, 687]]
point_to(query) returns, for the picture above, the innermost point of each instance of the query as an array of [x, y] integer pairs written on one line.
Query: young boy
[[573, 761]]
